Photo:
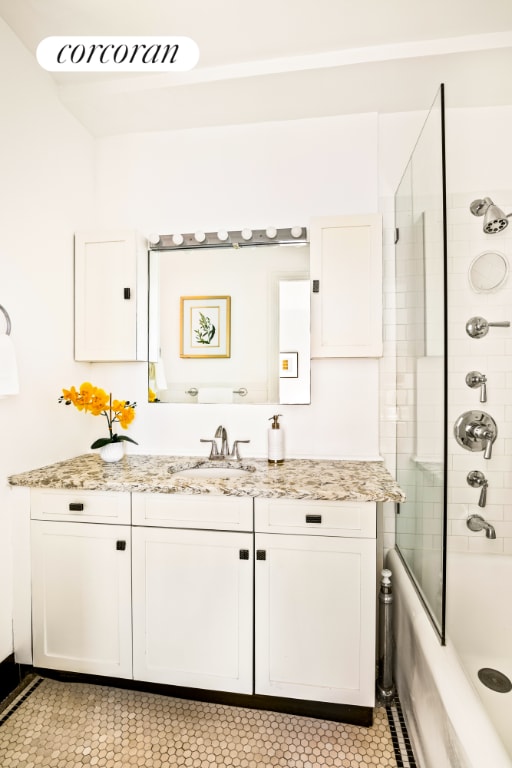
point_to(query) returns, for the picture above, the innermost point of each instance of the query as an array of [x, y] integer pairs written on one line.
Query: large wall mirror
[[229, 324]]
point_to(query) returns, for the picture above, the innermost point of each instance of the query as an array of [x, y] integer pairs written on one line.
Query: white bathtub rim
[[464, 709]]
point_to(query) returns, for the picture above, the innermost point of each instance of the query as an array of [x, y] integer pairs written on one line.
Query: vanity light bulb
[[153, 238], [246, 234], [200, 237], [177, 239], [296, 231], [271, 232], [222, 235]]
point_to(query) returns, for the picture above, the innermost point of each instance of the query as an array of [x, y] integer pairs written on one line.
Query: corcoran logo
[[117, 54]]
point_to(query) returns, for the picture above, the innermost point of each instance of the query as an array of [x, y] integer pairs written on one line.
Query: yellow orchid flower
[[96, 401]]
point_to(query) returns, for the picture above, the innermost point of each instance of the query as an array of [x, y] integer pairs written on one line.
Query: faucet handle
[[235, 454], [477, 479], [477, 327], [482, 501], [477, 379], [214, 450]]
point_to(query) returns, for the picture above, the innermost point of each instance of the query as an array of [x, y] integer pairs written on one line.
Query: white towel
[[9, 384], [215, 395], [160, 380]]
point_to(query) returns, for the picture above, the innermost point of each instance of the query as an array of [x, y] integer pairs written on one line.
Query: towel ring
[[7, 319]]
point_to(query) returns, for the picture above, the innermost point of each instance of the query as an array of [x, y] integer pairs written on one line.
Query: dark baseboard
[[11, 675], [341, 713]]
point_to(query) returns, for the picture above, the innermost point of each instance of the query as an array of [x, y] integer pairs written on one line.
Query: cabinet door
[[346, 311], [81, 601], [109, 297], [192, 608], [315, 618]]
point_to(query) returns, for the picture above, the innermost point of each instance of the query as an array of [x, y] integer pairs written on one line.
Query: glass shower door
[[420, 274]]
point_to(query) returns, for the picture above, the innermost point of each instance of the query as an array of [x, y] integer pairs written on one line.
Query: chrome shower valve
[[476, 431]]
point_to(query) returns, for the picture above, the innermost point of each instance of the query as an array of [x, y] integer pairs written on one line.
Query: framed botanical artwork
[[205, 326]]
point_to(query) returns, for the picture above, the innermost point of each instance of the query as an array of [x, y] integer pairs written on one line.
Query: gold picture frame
[[205, 326]]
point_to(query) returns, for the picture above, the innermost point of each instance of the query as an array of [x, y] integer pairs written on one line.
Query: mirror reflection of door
[[268, 290]]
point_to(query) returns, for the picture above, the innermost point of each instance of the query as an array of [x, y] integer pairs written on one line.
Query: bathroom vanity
[[255, 587]]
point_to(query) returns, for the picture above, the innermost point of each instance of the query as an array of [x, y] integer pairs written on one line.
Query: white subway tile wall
[[490, 355]]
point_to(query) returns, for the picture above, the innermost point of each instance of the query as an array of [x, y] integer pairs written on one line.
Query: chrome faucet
[[224, 449], [224, 453], [477, 523]]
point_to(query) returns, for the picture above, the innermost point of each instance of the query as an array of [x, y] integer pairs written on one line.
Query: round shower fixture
[[494, 218]]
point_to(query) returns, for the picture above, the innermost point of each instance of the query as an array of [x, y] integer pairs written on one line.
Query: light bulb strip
[[234, 239]]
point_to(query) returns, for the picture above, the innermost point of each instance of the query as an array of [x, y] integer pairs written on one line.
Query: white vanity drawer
[[355, 519], [179, 510], [80, 506]]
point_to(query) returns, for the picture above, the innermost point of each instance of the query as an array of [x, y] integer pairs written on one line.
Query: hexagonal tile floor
[[53, 724]]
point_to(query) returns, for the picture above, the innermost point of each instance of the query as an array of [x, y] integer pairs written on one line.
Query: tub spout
[[477, 523]]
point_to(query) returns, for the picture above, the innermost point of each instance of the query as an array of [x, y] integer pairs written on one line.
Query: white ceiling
[[281, 59]]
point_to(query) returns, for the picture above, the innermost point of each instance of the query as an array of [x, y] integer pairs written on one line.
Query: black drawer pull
[[261, 554], [127, 293], [120, 546], [244, 554], [76, 507], [313, 518]]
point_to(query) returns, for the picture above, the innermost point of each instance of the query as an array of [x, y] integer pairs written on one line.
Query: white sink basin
[[212, 473]]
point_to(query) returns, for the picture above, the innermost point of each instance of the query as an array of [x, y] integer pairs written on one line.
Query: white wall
[[279, 173], [46, 188]]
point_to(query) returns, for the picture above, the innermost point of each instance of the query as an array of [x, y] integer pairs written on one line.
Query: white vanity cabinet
[[255, 596], [81, 581], [110, 296], [193, 591], [346, 273], [315, 600]]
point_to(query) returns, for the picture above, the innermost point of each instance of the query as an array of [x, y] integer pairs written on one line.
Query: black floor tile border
[[16, 699], [399, 736]]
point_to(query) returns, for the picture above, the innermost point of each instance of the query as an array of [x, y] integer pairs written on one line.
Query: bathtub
[[452, 719]]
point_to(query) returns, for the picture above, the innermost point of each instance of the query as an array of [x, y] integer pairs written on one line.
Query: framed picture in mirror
[[205, 326]]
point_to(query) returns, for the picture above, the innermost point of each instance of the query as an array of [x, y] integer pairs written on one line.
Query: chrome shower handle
[[477, 479], [486, 436], [477, 379], [478, 327]]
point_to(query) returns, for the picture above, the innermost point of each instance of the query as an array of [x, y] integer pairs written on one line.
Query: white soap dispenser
[[275, 441]]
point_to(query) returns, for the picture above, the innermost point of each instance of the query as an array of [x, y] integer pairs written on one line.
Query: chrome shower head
[[494, 218]]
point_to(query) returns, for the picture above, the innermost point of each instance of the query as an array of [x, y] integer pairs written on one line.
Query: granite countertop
[[327, 480]]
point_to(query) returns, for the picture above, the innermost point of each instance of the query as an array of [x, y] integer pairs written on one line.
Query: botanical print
[[205, 326]]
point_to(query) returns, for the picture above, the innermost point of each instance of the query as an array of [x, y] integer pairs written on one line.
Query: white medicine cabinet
[[110, 296], [346, 274]]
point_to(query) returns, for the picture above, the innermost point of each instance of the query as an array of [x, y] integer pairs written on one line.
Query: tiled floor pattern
[[401, 743], [54, 724]]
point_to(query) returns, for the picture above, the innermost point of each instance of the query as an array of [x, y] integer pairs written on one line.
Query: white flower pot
[[112, 451]]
